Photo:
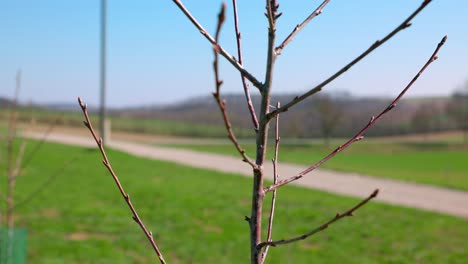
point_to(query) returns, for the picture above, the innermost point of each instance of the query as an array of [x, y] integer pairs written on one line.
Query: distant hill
[[61, 106], [302, 121], [5, 102], [342, 113]]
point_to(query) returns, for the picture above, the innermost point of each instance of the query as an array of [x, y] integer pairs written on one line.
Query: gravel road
[[419, 196]]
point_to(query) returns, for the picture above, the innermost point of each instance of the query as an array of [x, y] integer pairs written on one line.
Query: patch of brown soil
[[309, 245], [50, 213], [212, 229], [82, 236], [208, 228]]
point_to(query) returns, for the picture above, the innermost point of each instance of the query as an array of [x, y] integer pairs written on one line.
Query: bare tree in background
[[457, 110], [329, 115], [426, 119], [261, 121]]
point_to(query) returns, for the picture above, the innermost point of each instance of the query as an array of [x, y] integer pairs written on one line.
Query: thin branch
[[250, 106], [41, 142], [10, 169], [323, 226], [126, 197], [22, 161], [12, 123], [275, 180], [270, 12], [299, 27], [12, 175], [19, 160], [360, 134], [44, 184], [374, 46], [222, 103], [223, 52], [272, 15]]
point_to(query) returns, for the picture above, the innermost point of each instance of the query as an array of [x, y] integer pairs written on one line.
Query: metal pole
[[103, 73]]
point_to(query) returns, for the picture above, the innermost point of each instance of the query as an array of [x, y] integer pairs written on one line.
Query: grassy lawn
[[437, 163], [197, 216], [127, 124]]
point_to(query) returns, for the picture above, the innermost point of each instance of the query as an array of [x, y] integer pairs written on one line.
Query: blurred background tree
[[457, 110]]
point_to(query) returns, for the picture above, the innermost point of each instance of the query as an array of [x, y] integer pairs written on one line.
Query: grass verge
[[436, 163], [197, 217]]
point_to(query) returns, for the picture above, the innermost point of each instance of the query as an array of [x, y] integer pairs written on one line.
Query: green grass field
[[197, 216], [127, 124], [436, 163]]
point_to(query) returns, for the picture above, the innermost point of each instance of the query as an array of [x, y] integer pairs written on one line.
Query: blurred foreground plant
[[16, 162]]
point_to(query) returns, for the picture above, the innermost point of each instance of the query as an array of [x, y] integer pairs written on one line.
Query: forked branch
[[46, 183], [374, 46], [323, 226], [250, 106], [126, 197], [222, 103], [360, 134], [222, 51]]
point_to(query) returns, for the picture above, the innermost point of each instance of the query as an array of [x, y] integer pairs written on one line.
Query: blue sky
[[156, 56]]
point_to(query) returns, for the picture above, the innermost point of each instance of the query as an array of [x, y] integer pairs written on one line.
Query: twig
[[10, 169], [275, 180], [126, 197], [12, 175], [374, 46], [271, 7], [19, 159], [23, 163], [223, 52], [360, 134], [272, 15], [222, 103], [322, 227], [12, 126], [44, 184], [38, 146], [299, 27], [250, 106]]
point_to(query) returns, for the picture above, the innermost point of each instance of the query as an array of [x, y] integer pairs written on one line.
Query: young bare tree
[[16, 161], [262, 118], [12, 169], [12, 165]]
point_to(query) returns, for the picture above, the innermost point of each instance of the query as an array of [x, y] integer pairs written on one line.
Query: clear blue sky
[[156, 56]]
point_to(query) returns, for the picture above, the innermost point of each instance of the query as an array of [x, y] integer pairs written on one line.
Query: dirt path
[[425, 197]]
